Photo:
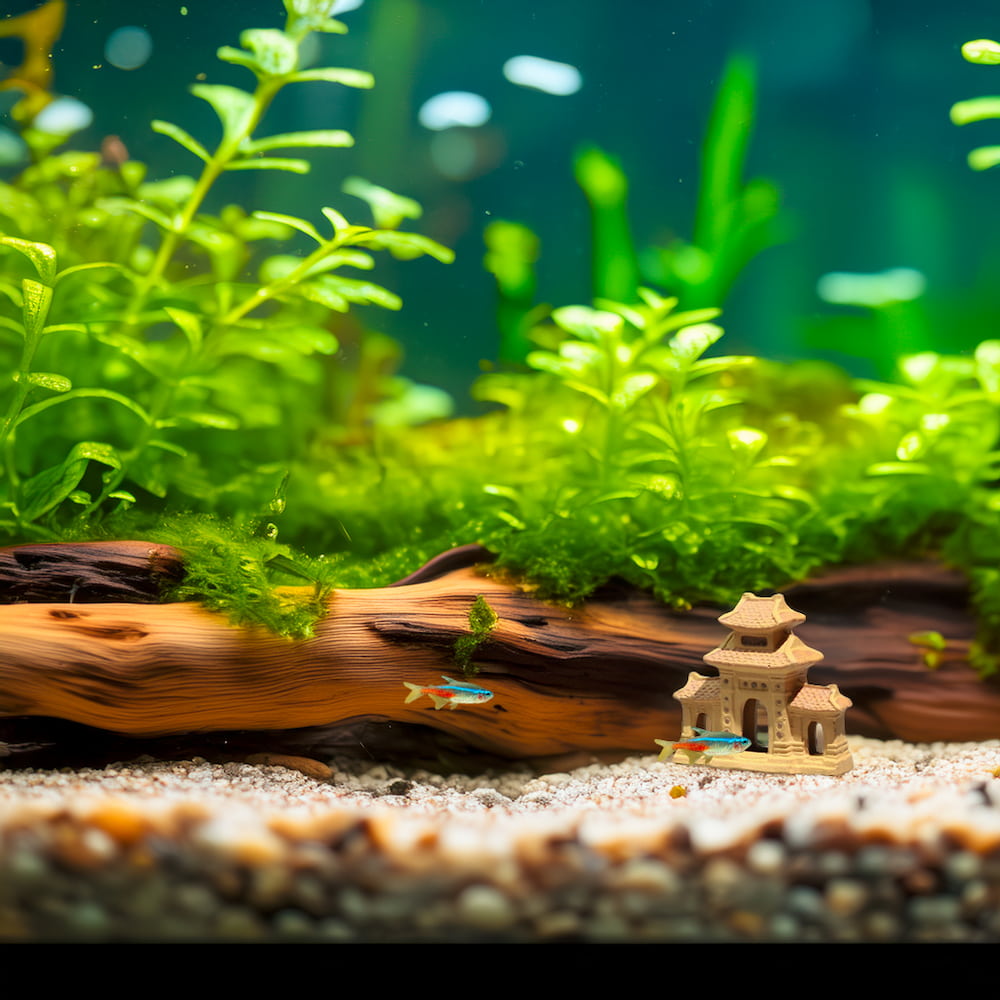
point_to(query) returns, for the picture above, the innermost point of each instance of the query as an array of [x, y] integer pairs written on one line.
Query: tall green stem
[[227, 150]]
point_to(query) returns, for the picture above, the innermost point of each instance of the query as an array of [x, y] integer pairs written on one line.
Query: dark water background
[[852, 125]]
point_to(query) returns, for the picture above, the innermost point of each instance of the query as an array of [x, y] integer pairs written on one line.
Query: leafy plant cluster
[[163, 357], [735, 220], [629, 452], [158, 351], [982, 52]]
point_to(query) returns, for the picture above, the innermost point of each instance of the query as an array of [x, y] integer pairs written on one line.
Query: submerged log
[[598, 678]]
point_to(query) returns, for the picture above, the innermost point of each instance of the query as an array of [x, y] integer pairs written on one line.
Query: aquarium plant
[[169, 357], [735, 220], [164, 352], [981, 52]]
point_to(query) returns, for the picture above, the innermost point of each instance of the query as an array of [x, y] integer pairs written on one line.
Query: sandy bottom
[[906, 846]]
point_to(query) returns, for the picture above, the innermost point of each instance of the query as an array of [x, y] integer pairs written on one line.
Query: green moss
[[482, 620]]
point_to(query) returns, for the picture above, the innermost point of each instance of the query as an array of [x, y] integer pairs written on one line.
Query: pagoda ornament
[[762, 693]]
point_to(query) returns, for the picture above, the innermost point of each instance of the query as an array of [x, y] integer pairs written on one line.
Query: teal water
[[852, 126]]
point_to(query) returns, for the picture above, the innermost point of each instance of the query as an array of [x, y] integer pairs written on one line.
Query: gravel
[[906, 847]]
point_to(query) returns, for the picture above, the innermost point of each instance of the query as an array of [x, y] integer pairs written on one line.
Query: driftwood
[[82, 642]]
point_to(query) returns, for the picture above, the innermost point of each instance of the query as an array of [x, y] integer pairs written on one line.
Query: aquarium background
[[852, 126]]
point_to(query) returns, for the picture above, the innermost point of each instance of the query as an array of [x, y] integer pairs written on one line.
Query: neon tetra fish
[[452, 694], [705, 744]]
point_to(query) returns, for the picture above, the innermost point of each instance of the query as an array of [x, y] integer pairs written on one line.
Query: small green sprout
[[933, 644], [482, 620]]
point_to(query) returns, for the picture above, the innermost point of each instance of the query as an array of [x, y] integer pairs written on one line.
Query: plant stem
[[227, 150]]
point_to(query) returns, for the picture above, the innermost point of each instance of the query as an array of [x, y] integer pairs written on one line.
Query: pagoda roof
[[820, 698], [793, 652], [699, 686], [761, 614]]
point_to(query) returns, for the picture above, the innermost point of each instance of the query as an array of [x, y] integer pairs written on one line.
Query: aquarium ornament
[[762, 694]]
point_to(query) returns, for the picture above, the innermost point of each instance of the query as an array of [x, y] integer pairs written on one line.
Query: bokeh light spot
[[63, 116], [543, 74], [12, 148], [453, 153], [898, 284], [128, 48], [454, 107]]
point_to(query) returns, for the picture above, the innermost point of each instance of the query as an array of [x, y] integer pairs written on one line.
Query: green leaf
[[188, 323], [172, 192], [631, 388], [359, 290], [898, 469], [45, 380], [315, 138], [312, 15], [276, 53], [405, 246], [94, 266], [41, 255], [912, 445], [210, 418], [49, 488], [181, 137], [347, 257], [280, 266], [323, 296], [984, 157], [587, 390], [293, 221], [37, 299], [689, 343], [94, 393], [270, 163], [235, 108], [587, 323], [347, 77], [238, 57], [712, 366], [747, 440], [983, 51], [13, 292], [336, 220], [142, 352], [174, 449], [275, 344], [154, 215], [388, 208]]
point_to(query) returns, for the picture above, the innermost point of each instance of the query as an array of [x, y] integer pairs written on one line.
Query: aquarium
[[414, 412]]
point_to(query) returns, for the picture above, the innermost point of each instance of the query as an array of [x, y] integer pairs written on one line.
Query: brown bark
[[597, 678]]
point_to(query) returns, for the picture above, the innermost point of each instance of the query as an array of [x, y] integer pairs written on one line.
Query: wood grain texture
[[597, 678], [88, 571]]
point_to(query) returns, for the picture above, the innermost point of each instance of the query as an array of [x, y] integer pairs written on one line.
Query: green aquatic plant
[[735, 218], [614, 264], [162, 353], [647, 468], [512, 251], [482, 620], [982, 52]]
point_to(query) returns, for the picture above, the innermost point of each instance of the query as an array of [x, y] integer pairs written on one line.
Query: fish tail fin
[[668, 749], [415, 692]]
